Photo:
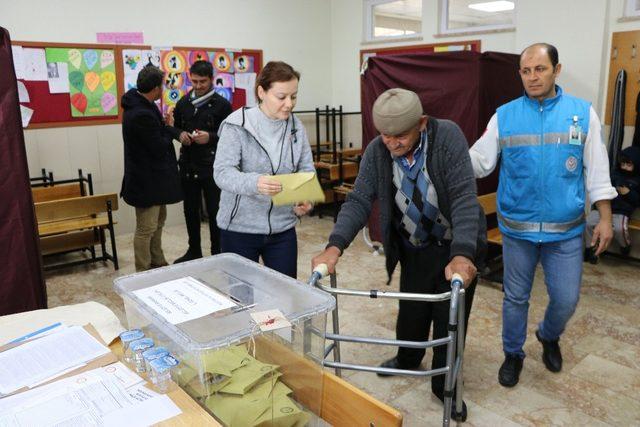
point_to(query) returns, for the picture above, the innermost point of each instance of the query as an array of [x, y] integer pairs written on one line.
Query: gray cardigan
[[241, 159], [450, 170]]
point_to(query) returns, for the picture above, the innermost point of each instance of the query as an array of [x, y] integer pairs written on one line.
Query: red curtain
[[465, 87], [22, 285]]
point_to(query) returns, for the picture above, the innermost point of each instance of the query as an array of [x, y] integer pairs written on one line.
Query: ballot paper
[[183, 299], [298, 187], [47, 357]]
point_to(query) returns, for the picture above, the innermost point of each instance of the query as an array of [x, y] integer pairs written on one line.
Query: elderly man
[[420, 172], [550, 147]]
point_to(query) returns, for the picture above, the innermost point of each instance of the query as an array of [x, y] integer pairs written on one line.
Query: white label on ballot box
[[183, 299]]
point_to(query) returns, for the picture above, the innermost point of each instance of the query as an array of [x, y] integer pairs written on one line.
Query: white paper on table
[[120, 373], [18, 61], [141, 393], [45, 357], [26, 114], [183, 299], [58, 76], [35, 64], [149, 412], [80, 400], [23, 93], [247, 82]]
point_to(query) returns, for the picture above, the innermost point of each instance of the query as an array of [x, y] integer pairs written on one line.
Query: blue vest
[[541, 188]]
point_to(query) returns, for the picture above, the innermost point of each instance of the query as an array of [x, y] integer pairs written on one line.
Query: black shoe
[[590, 256], [189, 256], [551, 355], [509, 373], [394, 364], [625, 250], [458, 416]]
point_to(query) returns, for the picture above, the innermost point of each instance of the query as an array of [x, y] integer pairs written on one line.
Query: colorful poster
[[243, 64], [135, 60], [222, 62], [92, 80], [175, 65], [224, 80]]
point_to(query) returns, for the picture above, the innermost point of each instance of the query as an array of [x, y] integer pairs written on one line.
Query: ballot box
[[250, 341]]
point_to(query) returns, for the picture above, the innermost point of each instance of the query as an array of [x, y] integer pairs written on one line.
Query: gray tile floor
[[599, 385]]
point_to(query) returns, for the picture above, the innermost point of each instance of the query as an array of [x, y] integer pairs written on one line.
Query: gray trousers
[[620, 228]]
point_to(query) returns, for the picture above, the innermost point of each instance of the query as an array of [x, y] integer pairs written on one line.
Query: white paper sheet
[[18, 61], [47, 356], [23, 94], [183, 299], [26, 114], [135, 60], [35, 64], [149, 412], [247, 82], [58, 76]]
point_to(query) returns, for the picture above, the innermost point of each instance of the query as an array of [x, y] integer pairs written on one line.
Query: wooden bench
[[76, 223], [488, 203]]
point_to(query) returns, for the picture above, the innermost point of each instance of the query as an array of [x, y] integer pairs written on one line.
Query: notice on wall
[[183, 299]]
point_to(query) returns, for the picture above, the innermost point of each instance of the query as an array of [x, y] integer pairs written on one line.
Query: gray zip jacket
[[242, 158]]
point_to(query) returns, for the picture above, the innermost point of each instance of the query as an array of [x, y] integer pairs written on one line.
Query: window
[[468, 16], [392, 19], [632, 8]]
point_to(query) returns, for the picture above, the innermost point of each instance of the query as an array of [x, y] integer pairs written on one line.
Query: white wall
[[294, 31]]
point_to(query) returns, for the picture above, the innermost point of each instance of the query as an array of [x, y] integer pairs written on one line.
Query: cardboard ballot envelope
[[298, 187]]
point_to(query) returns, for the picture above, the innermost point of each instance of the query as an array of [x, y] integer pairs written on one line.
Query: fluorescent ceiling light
[[493, 6]]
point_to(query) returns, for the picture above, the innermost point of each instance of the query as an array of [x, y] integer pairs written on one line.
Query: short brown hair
[[274, 71]]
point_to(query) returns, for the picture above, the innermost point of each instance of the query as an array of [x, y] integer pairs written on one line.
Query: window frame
[[445, 30], [631, 10], [368, 35]]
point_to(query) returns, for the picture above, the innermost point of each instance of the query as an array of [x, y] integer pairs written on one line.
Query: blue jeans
[[278, 251], [562, 265]]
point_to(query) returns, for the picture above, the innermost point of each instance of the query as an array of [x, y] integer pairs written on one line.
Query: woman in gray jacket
[[255, 144]]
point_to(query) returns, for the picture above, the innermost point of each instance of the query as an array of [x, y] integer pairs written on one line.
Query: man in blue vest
[[552, 160]]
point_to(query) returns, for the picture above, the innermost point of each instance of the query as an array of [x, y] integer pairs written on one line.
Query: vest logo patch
[[571, 164]]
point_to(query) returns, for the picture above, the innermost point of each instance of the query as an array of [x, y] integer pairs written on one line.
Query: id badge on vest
[[575, 132]]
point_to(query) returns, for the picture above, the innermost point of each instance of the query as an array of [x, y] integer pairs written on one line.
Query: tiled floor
[[599, 384]]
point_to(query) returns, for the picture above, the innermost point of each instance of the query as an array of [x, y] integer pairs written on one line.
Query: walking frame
[[454, 341]]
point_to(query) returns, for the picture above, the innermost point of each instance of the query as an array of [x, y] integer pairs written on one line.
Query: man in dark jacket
[[197, 117], [151, 179], [420, 171]]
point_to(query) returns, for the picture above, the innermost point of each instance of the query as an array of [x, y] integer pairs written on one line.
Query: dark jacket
[[450, 170], [626, 204], [150, 166], [197, 159]]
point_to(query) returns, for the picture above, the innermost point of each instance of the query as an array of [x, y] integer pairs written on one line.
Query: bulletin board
[[625, 55], [95, 76]]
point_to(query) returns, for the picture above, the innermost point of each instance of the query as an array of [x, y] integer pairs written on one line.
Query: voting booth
[[250, 341]]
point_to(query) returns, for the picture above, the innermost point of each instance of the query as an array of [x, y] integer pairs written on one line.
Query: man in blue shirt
[[552, 157]]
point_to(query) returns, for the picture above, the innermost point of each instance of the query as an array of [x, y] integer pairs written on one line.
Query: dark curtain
[[22, 285], [465, 87]]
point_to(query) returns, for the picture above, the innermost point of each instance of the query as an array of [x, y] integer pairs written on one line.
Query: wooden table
[[192, 413]]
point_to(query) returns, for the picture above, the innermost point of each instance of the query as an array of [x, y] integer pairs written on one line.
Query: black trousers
[[423, 272], [193, 190]]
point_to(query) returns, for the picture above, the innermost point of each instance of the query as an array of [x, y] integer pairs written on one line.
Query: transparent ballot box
[[249, 340]]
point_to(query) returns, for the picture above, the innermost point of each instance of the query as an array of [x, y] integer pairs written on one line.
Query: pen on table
[[34, 333]]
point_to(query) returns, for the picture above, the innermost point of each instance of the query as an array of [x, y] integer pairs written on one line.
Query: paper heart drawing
[[79, 102], [76, 78], [92, 80], [106, 58], [90, 58], [108, 78], [75, 57], [108, 102]]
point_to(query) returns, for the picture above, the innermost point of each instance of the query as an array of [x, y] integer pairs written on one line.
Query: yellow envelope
[[298, 187]]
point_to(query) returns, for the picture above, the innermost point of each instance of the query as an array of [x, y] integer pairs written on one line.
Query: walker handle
[[456, 279]]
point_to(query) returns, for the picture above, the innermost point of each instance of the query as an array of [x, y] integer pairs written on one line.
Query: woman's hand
[[268, 186], [301, 209]]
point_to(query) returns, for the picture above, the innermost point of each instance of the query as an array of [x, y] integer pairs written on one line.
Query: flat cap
[[396, 111]]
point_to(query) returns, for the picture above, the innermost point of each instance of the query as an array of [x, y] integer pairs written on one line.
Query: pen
[[34, 333]]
